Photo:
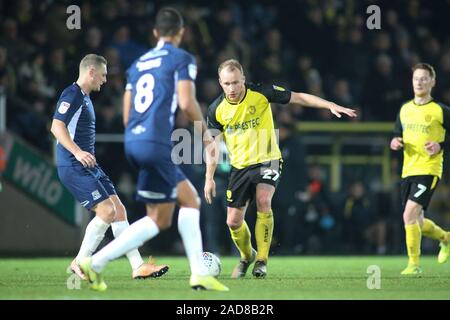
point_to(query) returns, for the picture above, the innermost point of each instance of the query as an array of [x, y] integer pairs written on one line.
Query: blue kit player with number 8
[[157, 83]]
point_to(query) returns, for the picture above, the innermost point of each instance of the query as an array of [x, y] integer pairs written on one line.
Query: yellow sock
[[433, 231], [413, 238], [242, 239], [263, 234]]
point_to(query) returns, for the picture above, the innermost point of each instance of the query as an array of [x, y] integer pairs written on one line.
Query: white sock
[[134, 257], [189, 228], [131, 238], [95, 232]]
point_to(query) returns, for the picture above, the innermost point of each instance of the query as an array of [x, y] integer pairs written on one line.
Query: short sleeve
[[446, 124], [67, 105], [398, 129], [446, 116], [273, 93], [211, 118], [187, 68], [129, 85]]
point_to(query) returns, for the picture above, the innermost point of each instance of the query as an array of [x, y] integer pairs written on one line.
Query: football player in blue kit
[[158, 82], [74, 128]]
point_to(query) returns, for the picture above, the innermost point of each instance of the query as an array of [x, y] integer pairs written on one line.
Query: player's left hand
[[432, 148], [210, 190], [337, 110]]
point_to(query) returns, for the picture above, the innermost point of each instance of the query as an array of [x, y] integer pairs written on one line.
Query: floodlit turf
[[289, 278]]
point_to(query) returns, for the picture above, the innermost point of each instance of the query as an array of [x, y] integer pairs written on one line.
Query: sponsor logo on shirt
[[250, 124], [63, 107]]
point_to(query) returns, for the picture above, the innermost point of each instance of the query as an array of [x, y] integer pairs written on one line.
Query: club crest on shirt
[[251, 109], [428, 118], [63, 107]]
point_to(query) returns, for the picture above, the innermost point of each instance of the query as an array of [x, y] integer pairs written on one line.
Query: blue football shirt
[[152, 80], [76, 110]]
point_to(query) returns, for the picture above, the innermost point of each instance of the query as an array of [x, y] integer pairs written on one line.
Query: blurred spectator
[[93, 40], [288, 215], [311, 29], [353, 51], [114, 65], [7, 73], [443, 83], [57, 71], [221, 23], [128, 49], [431, 50], [318, 222], [341, 93], [361, 229], [111, 121], [33, 80], [382, 91], [39, 40], [237, 46], [17, 48], [210, 90]]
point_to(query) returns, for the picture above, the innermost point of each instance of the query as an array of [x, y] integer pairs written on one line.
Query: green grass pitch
[[291, 278]]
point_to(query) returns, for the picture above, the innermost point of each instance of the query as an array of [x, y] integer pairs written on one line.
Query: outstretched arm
[[310, 100]]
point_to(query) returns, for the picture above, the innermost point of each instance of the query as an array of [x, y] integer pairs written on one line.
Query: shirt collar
[[84, 94]]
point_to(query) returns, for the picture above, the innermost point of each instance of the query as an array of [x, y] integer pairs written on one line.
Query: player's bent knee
[[196, 202], [409, 217], [121, 213], [191, 203], [106, 212], [189, 198], [234, 224], [263, 204]]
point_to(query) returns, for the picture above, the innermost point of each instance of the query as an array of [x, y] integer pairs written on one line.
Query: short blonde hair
[[92, 60], [231, 64], [425, 66]]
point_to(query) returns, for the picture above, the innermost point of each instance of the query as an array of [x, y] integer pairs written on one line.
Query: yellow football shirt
[[247, 126], [417, 125]]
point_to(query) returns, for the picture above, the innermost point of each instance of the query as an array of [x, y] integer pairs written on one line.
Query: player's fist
[[210, 190], [396, 143], [86, 159], [432, 148]]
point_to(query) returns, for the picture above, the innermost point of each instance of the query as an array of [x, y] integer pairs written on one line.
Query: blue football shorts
[[158, 176], [89, 186]]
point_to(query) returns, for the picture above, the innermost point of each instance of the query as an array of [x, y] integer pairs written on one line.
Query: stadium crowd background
[[319, 47]]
